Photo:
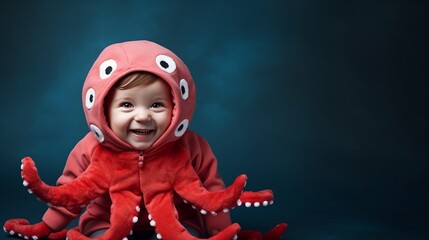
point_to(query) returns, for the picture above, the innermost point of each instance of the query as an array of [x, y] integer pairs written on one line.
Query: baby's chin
[[141, 147]]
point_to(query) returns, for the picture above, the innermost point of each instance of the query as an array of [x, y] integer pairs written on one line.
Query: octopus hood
[[120, 59]]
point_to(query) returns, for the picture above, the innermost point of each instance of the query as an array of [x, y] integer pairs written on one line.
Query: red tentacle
[[161, 210], [23, 228], [58, 235], [197, 195], [162, 216], [256, 199], [276, 232], [92, 183], [123, 216], [228, 233]]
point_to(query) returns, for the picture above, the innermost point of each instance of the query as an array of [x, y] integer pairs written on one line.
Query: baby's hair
[[135, 79], [131, 80]]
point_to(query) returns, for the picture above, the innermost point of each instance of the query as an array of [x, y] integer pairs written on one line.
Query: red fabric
[[97, 214], [273, 234], [130, 177]]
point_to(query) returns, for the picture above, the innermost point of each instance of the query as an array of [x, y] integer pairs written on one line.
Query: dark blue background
[[325, 102]]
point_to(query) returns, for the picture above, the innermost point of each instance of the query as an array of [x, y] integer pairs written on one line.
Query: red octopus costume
[[140, 184]]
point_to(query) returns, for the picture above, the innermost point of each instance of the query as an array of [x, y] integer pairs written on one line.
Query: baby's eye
[[126, 105], [157, 105]]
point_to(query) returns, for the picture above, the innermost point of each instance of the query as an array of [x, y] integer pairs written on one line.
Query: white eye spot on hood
[[97, 133], [184, 89], [181, 128], [166, 63], [90, 98], [107, 68]]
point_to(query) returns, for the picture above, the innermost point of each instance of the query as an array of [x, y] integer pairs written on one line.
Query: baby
[[139, 98]]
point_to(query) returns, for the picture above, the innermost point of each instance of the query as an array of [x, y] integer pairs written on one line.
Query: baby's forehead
[[156, 89]]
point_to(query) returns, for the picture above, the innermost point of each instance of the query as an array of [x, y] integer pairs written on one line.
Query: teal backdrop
[[325, 102]]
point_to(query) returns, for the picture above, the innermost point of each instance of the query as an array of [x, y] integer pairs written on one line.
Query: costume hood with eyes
[[144, 186], [120, 59]]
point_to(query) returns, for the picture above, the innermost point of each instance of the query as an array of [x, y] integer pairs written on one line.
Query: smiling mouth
[[142, 132]]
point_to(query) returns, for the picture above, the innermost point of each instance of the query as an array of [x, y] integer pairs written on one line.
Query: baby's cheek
[[119, 127]]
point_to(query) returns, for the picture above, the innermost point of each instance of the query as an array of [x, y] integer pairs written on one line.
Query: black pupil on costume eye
[[180, 127], [96, 133], [108, 70], [164, 64], [183, 89], [91, 98]]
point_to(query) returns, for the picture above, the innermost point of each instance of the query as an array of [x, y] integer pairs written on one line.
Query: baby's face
[[140, 115]]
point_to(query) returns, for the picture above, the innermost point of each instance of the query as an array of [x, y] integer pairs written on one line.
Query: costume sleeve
[[57, 218], [205, 164]]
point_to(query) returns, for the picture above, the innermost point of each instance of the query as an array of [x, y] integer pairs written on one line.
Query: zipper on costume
[[141, 159]]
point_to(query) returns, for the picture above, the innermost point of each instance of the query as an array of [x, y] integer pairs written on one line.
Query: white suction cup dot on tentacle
[[184, 89], [265, 203], [152, 223], [25, 183], [235, 237], [181, 128], [135, 219], [213, 213], [30, 191], [225, 210], [90, 98], [149, 217], [239, 202], [125, 238], [166, 63], [256, 204], [203, 212], [107, 68], [248, 204], [138, 209], [12, 232], [97, 132], [158, 236], [34, 237]]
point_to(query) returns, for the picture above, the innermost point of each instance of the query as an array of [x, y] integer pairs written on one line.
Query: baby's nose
[[142, 115]]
